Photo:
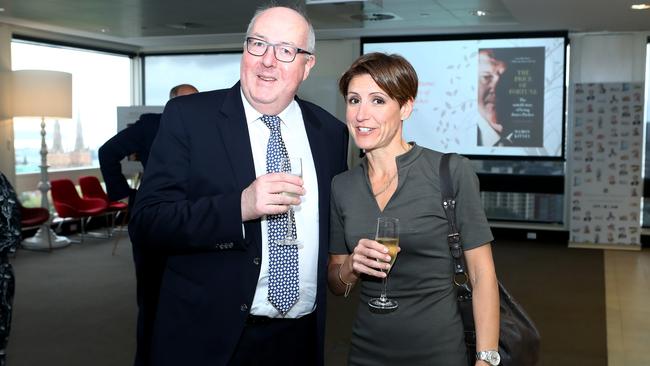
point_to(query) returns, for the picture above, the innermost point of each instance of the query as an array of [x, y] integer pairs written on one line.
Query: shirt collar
[[253, 115], [489, 136]]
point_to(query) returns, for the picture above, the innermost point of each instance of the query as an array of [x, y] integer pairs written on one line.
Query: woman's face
[[374, 119]]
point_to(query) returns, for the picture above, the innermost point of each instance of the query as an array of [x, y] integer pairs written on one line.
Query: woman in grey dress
[[400, 179]]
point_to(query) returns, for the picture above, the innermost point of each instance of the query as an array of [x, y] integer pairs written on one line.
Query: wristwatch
[[490, 356]]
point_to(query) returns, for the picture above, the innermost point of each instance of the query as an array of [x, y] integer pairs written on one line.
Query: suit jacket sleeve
[[172, 210], [126, 142]]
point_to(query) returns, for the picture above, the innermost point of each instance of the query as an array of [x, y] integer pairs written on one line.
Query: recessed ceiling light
[[2, 9], [373, 17], [479, 13], [183, 26], [640, 7]]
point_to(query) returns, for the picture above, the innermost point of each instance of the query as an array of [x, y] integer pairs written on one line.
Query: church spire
[[57, 146], [79, 143]]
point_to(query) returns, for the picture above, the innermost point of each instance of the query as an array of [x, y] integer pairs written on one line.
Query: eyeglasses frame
[[298, 49]]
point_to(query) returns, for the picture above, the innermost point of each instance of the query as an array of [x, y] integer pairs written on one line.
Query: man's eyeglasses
[[282, 52]]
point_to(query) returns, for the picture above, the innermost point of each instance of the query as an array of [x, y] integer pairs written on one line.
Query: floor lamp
[[41, 93]]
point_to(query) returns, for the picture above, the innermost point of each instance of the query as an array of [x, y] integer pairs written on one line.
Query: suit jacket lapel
[[318, 149], [319, 153], [234, 131]]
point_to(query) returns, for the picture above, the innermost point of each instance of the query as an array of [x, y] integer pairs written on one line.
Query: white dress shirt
[[489, 136], [306, 214]]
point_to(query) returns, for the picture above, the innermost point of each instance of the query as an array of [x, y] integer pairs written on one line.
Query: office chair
[[33, 218], [92, 188], [69, 204]]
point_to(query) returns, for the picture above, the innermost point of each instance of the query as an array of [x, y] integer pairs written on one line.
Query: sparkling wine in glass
[[294, 167], [388, 235]]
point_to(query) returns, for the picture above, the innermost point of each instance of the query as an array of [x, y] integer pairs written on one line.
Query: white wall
[[332, 59], [608, 57], [7, 155]]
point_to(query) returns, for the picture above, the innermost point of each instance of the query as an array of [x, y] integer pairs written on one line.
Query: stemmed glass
[[292, 166], [388, 235]]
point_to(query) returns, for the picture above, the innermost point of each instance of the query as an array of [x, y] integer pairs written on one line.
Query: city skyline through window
[[100, 83]]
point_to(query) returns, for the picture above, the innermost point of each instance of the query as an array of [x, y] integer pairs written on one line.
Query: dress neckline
[[402, 161]]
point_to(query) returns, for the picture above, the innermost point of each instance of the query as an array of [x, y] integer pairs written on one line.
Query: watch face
[[494, 358]]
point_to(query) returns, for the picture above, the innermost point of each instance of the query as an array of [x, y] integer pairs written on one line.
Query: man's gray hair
[[311, 36]]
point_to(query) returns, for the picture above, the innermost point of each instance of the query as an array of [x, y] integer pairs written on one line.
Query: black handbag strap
[[454, 241]]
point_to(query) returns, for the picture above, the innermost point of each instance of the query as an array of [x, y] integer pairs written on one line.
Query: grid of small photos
[[605, 166]]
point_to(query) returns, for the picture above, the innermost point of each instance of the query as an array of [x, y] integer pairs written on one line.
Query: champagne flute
[[388, 235], [294, 167]]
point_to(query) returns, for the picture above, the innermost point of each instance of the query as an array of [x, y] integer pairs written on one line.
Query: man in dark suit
[[135, 139], [149, 265], [208, 202]]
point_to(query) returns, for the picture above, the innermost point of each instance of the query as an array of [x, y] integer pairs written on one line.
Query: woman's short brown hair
[[392, 73]]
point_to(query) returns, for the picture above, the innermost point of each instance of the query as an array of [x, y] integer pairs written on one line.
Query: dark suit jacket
[[137, 139], [189, 205]]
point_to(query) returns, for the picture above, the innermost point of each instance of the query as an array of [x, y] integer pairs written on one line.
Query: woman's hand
[[371, 258]]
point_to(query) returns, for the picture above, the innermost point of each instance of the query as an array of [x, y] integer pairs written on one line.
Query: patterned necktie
[[283, 259]]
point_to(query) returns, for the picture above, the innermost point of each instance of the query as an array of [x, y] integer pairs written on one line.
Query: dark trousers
[[271, 342], [149, 269]]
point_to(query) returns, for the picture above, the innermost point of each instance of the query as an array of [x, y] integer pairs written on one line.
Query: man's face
[[268, 84], [489, 73]]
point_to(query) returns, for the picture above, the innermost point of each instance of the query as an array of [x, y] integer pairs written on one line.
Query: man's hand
[[264, 196]]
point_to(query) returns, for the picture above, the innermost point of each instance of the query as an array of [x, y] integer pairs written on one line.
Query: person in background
[[491, 131], [10, 237], [400, 179], [137, 139], [211, 199]]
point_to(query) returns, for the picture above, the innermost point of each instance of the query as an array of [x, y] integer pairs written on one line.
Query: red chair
[[92, 188], [33, 218], [68, 204]]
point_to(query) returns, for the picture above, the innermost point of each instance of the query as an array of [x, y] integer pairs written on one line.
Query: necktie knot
[[272, 122]]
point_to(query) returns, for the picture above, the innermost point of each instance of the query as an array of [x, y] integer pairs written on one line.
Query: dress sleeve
[[9, 218], [337, 233], [472, 222]]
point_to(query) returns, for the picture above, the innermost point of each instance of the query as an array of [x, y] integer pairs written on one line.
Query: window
[[204, 71], [100, 83]]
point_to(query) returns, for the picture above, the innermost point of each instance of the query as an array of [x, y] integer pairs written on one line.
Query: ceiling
[[144, 23]]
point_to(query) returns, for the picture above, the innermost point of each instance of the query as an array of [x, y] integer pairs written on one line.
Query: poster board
[[130, 114], [605, 165]]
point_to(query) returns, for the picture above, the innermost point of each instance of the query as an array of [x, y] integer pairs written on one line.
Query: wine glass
[[292, 166], [388, 235]]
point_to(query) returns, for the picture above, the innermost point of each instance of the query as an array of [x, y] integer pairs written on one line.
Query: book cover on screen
[[511, 96]]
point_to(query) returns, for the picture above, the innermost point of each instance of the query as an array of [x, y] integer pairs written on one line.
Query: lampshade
[[42, 93]]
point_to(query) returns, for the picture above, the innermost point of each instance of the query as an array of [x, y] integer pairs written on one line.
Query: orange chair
[[92, 188], [68, 204]]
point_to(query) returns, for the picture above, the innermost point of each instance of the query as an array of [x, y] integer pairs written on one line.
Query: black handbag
[[519, 339]]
